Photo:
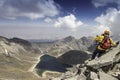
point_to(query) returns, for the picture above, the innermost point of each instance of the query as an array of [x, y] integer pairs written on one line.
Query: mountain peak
[[69, 38], [20, 41]]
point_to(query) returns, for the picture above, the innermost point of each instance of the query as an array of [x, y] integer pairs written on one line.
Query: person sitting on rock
[[104, 43]]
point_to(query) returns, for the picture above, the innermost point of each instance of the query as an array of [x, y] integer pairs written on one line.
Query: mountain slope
[[17, 56]]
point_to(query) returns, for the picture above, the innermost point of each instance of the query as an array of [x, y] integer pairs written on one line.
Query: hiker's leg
[[94, 54], [101, 53]]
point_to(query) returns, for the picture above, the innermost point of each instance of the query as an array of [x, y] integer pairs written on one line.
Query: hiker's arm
[[113, 43], [98, 38]]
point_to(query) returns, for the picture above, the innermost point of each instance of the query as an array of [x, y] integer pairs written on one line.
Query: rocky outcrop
[[107, 67], [107, 59]]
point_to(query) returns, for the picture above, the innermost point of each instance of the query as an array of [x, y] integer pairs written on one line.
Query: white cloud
[[99, 29], [99, 3], [107, 21], [32, 9], [48, 20], [68, 22], [108, 18], [78, 28], [111, 19]]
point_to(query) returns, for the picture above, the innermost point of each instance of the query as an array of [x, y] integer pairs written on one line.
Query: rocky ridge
[[107, 67]]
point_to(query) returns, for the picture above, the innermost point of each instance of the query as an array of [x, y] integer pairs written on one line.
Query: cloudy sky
[[55, 19]]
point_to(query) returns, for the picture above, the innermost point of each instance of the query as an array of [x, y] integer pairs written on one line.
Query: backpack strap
[[104, 40]]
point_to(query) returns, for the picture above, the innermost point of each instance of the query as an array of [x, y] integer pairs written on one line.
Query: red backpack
[[106, 43]]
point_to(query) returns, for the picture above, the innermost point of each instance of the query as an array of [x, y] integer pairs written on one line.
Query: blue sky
[[55, 19]]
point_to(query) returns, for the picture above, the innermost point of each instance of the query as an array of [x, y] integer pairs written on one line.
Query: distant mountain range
[[61, 46], [41, 40]]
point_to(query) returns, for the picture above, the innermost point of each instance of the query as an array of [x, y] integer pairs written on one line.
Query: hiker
[[104, 43]]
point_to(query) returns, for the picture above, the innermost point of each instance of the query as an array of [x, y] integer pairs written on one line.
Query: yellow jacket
[[100, 39]]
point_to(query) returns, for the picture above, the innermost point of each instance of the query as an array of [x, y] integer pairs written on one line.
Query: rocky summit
[[107, 67]]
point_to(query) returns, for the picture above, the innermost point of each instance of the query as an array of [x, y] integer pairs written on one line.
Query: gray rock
[[93, 76], [104, 76], [82, 77], [73, 70], [77, 77], [104, 60], [117, 57], [115, 71]]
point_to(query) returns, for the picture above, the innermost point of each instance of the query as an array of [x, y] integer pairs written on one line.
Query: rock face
[[16, 59], [104, 76], [107, 67]]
